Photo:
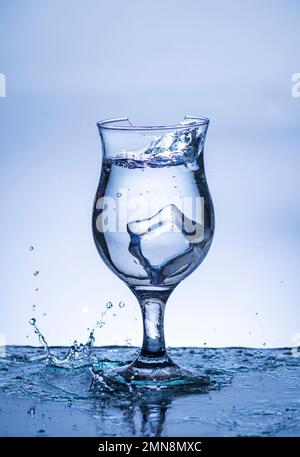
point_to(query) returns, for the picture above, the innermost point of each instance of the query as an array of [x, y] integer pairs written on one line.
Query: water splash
[[176, 148], [78, 354]]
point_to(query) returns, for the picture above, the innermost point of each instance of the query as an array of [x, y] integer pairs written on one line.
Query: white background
[[70, 63]]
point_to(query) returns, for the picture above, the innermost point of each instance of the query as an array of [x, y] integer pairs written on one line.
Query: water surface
[[253, 392]]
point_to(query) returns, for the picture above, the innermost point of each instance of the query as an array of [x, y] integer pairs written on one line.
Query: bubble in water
[[118, 194], [109, 305], [121, 304], [36, 289], [36, 273], [31, 248], [33, 307], [32, 321]]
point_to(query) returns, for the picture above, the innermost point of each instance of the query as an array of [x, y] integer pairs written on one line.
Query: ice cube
[[166, 244]]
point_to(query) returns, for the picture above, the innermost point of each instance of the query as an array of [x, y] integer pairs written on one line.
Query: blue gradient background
[[70, 63]]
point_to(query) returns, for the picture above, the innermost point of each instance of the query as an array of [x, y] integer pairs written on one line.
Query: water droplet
[[31, 248], [175, 187], [44, 314], [33, 307], [36, 289], [205, 343], [264, 344], [256, 314], [32, 321], [141, 193], [121, 304], [36, 273], [109, 305], [31, 411], [118, 194]]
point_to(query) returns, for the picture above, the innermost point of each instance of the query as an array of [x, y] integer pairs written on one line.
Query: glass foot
[[155, 373]]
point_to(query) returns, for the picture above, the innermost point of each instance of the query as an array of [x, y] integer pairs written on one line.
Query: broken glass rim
[[114, 124]]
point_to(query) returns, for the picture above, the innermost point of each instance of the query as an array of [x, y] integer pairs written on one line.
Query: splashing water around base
[[79, 354]]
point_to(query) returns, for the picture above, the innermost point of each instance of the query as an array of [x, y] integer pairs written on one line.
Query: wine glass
[[153, 224]]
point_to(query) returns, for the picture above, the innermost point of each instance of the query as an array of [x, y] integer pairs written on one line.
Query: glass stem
[[153, 305]]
